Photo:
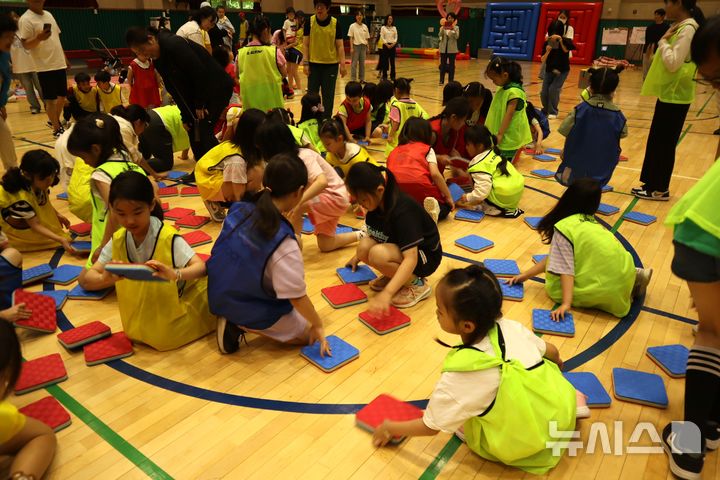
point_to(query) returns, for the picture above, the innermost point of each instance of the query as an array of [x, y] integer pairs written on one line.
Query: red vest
[[354, 120], [456, 140], [412, 172]]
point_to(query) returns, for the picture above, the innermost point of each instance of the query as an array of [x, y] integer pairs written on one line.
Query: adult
[[40, 34], [163, 136], [568, 30], [196, 29], [325, 54], [696, 240], [557, 67], [224, 24], [654, 32], [389, 38], [196, 81], [8, 27], [23, 68], [261, 68], [671, 79], [448, 47], [243, 30], [359, 36]]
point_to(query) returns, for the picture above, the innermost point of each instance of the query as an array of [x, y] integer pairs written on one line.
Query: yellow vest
[[172, 119], [260, 80], [24, 238], [669, 87], [154, 313], [322, 42], [209, 178], [78, 190], [111, 99], [299, 35], [87, 101], [361, 156]]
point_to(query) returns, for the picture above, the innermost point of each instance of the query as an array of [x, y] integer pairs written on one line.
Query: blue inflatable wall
[[510, 29]]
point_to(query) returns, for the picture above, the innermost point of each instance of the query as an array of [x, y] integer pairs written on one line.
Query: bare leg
[[327, 243], [385, 257], [33, 448], [53, 109]]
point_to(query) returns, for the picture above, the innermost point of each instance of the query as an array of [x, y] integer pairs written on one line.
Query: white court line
[[674, 175]]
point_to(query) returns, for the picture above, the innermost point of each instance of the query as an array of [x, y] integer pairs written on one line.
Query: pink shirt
[[280, 57], [285, 273], [316, 165]]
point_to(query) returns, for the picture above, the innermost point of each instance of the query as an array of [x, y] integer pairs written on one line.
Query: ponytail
[[97, 129], [284, 174], [35, 163], [695, 12], [480, 135]]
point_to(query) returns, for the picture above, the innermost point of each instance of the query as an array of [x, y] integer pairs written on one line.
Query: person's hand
[[306, 70], [44, 35], [462, 202], [159, 176], [516, 279], [548, 49], [16, 312], [343, 70], [317, 334], [559, 313], [450, 203], [671, 31], [200, 113], [69, 249], [3, 113], [352, 263], [379, 305], [162, 271], [63, 220], [382, 435]]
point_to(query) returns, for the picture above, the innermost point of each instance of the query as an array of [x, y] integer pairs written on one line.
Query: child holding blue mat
[[163, 315], [587, 266]]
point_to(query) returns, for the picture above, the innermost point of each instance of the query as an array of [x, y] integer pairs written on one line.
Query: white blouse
[[389, 34]]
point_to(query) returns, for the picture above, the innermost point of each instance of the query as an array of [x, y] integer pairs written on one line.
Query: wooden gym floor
[[267, 413]]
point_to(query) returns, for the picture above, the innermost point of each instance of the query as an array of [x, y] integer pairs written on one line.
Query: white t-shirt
[[192, 31], [49, 54], [289, 29], [388, 34], [358, 34], [22, 60], [182, 252], [459, 396]]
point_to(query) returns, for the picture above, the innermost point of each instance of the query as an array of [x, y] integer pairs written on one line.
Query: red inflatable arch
[[453, 6], [584, 18]]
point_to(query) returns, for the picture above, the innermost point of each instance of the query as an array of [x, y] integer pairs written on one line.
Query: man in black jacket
[[198, 84]]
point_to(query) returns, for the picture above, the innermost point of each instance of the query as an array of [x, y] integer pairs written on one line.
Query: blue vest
[[592, 148], [10, 280], [236, 268]]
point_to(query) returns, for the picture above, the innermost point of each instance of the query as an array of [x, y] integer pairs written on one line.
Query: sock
[[702, 385]]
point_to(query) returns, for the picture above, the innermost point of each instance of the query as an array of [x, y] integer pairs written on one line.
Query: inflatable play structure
[[517, 30], [430, 53]]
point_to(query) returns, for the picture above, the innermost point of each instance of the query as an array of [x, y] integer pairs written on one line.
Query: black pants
[[389, 61], [322, 80], [156, 144], [665, 130], [447, 65]]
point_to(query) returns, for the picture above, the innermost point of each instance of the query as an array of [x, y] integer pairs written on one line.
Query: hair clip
[[100, 123]]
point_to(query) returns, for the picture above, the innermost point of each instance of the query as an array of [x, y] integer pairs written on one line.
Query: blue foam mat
[[588, 384], [502, 268], [342, 352], [532, 222], [512, 292], [65, 274], [456, 192], [363, 274], [639, 387], [60, 296], [606, 209], [539, 258], [672, 359], [641, 218], [469, 215], [35, 273], [543, 322], [544, 158], [475, 243], [307, 226], [543, 173]]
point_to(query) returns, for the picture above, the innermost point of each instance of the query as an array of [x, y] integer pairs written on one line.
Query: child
[[403, 242], [480, 99], [261, 69], [29, 441], [311, 118], [97, 140], [144, 83], [380, 96], [587, 266], [164, 315], [224, 57], [501, 388], [539, 127], [402, 107], [354, 113], [593, 131], [497, 185], [325, 199], [286, 116], [109, 93], [415, 168], [28, 218], [293, 37], [82, 98], [341, 152], [133, 120], [506, 117], [451, 90], [449, 134], [231, 169], [10, 280], [256, 279]]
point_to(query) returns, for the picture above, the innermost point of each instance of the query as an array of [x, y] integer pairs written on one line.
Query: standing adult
[[448, 47], [696, 239], [556, 60], [325, 54], [196, 81], [671, 79], [243, 30], [261, 68], [653, 34], [389, 38], [40, 34], [224, 24], [568, 30], [359, 36], [8, 27], [196, 29], [23, 67]]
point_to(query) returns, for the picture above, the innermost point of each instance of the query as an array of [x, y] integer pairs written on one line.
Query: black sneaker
[[513, 213], [58, 132], [712, 436], [717, 132], [687, 466], [228, 336], [634, 190], [188, 179], [652, 195]]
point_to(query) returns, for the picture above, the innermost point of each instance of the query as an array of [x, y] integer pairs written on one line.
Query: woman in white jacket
[[449, 34]]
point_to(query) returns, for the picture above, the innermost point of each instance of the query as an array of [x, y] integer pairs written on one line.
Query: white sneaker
[[642, 279], [552, 116], [432, 207], [217, 212]]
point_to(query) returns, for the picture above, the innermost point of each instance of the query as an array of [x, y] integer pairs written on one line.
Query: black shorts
[[428, 261], [694, 266], [53, 84], [293, 55]]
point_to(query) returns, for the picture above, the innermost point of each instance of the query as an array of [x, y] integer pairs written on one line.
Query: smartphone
[[46, 27]]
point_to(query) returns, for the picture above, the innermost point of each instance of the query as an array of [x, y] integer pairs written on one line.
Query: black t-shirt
[[558, 59], [654, 33], [407, 225]]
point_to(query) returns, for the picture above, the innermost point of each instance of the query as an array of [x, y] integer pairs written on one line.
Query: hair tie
[[100, 123]]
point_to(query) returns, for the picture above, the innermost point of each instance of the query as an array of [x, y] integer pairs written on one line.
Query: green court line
[[682, 137], [23, 139], [629, 208], [441, 459], [705, 104], [109, 435]]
